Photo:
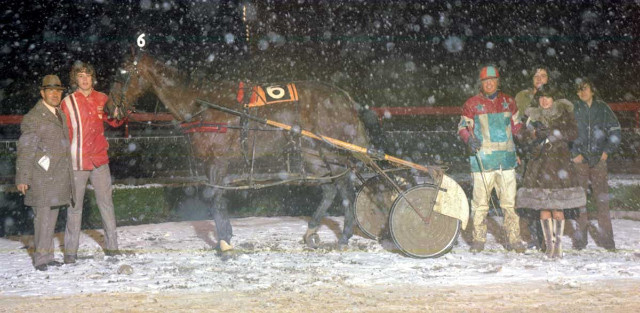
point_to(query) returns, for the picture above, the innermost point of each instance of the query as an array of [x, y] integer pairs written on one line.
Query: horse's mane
[[199, 76]]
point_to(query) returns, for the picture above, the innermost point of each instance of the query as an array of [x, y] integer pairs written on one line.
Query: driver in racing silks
[[489, 120]]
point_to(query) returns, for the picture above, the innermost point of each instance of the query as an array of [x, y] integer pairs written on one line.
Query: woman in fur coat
[[550, 184]]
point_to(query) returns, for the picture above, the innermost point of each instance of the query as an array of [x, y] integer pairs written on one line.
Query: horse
[[244, 144]]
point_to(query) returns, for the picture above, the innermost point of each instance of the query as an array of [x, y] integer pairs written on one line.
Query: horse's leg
[[311, 238], [348, 193], [224, 230]]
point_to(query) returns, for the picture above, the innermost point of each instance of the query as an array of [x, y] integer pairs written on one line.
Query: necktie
[[58, 115]]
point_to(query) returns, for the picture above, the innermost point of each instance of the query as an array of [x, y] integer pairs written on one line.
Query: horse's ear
[[133, 51]]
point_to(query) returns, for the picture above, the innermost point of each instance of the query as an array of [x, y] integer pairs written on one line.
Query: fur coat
[[550, 181]]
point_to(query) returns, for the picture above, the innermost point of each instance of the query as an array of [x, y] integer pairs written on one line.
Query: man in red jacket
[[84, 109]]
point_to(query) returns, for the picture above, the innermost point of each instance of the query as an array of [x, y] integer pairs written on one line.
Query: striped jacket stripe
[[76, 135]]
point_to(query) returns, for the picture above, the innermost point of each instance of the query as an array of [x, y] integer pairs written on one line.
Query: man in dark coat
[[598, 136], [43, 168]]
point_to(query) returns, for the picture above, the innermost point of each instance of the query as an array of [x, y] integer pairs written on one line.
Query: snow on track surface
[[270, 254]]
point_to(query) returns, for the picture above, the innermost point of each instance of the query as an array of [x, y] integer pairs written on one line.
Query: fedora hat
[[51, 82]]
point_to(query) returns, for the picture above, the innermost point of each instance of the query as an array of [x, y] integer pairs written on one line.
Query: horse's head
[[127, 86]]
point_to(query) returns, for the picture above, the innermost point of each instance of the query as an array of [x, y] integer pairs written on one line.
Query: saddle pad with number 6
[[263, 95]]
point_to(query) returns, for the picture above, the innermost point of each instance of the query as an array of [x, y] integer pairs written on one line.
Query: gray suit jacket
[[44, 135]]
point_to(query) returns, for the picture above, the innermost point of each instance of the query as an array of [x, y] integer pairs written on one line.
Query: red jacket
[[85, 117]]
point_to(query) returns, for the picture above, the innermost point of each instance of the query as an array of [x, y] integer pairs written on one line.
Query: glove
[[542, 133], [474, 144], [537, 125]]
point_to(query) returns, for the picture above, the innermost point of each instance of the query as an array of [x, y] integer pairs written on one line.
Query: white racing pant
[[504, 183]]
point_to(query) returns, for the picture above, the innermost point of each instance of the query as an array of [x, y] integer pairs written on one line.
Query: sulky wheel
[[373, 202], [415, 237]]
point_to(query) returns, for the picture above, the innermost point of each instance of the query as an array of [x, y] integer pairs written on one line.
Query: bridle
[[124, 78]]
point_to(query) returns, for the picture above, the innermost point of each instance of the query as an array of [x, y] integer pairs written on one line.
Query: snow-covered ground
[[178, 256], [172, 267]]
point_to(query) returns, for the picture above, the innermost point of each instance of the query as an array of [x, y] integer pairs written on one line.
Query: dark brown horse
[[248, 153]]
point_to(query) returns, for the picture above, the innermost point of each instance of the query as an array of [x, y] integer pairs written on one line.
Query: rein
[[120, 101]]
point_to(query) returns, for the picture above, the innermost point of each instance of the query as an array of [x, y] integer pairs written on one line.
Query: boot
[[476, 246], [517, 246], [558, 231], [534, 229], [547, 231]]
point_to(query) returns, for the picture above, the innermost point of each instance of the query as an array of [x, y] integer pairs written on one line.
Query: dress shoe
[[69, 259], [41, 267], [110, 252], [54, 263]]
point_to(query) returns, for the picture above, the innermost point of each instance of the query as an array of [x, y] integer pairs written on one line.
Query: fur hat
[[548, 90]]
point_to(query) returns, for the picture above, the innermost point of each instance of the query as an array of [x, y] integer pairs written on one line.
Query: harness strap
[[203, 127], [244, 122]]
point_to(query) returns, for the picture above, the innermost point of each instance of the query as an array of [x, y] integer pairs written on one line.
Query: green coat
[[524, 99]]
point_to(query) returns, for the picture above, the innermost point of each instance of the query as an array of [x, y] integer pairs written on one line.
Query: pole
[[339, 143]]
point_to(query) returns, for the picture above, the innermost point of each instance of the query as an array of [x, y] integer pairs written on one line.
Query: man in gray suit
[[43, 168]]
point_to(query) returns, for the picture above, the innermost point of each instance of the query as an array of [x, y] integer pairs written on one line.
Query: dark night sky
[[384, 52]]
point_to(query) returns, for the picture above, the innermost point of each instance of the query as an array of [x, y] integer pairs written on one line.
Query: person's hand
[[537, 125], [541, 133], [474, 144], [578, 159], [22, 188], [604, 156]]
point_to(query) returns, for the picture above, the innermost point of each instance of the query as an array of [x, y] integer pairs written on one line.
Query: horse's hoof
[[342, 246], [227, 255], [224, 246], [312, 241]]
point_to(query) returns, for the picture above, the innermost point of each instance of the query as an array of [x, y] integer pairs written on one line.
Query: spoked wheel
[[373, 202], [420, 238]]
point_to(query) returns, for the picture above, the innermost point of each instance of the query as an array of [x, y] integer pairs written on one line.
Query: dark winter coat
[[598, 131], [550, 181], [43, 134]]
